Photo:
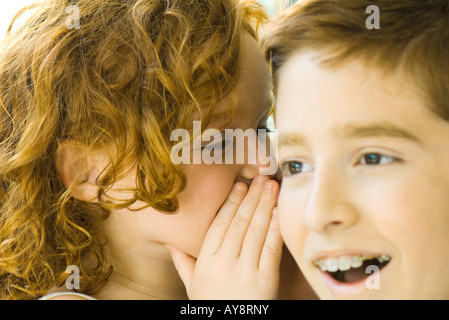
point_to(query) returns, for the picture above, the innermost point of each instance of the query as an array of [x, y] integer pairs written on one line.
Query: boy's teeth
[[345, 263], [356, 262], [332, 265]]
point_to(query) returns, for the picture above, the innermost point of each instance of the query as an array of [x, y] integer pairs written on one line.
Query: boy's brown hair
[[413, 39], [133, 72]]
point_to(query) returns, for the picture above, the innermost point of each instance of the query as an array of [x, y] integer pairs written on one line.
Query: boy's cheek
[[292, 229]]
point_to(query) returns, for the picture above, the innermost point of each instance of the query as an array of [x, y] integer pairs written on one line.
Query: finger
[[216, 233], [233, 240], [259, 226], [271, 255], [184, 264]]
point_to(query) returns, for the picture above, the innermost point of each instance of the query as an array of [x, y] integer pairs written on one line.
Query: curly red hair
[[133, 72]]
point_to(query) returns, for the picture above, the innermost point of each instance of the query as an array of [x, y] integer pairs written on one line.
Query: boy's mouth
[[349, 269]]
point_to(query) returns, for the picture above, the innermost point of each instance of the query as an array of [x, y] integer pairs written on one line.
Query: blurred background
[[8, 9]]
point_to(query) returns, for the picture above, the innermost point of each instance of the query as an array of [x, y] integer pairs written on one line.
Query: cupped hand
[[241, 254]]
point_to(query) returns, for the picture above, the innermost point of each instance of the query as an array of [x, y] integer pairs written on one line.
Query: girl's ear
[[79, 171]]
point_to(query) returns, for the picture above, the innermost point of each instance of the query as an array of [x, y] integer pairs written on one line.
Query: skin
[[137, 239], [154, 255], [363, 162]]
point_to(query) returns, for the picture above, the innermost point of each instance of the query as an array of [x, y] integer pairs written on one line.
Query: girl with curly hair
[[86, 178]]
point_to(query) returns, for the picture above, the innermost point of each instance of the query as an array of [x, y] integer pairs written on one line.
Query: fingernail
[[238, 188], [269, 186], [260, 180]]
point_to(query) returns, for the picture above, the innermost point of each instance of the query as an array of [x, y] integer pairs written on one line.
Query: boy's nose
[[329, 206]]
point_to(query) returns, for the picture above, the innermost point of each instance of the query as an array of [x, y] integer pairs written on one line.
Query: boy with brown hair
[[363, 127]]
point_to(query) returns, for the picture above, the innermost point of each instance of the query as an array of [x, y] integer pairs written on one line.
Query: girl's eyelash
[[223, 144], [213, 140], [265, 127]]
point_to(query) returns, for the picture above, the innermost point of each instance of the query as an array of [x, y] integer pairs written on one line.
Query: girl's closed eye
[[219, 146], [294, 167], [216, 142]]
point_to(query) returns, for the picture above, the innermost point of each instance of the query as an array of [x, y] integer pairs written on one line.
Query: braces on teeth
[[345, 263]]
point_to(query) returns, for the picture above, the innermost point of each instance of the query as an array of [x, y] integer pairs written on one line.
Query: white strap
[[56, 294]]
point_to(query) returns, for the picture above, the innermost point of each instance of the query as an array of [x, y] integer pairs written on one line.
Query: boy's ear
[[78, 170]]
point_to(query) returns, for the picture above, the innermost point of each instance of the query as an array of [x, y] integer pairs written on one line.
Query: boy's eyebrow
[[384, 129], [291, 139]]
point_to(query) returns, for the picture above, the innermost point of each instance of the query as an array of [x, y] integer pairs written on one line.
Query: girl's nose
[[264, 165]]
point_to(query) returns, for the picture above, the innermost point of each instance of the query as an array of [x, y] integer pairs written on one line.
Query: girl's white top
[[56, 294]]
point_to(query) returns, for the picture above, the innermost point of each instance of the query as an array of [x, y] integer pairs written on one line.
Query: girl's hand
[[241, 254]]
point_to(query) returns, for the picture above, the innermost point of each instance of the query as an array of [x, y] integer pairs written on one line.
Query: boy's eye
[[375, 159], [291, 168]]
